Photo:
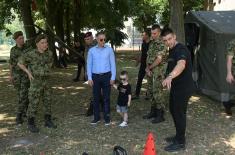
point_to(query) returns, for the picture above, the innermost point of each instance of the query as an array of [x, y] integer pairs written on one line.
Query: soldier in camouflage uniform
[[18, 77], [156, 62], [39, 62], [230, 73]]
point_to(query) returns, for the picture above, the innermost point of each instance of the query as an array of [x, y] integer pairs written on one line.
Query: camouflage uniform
[[39, 64], [20, 79], [157, 48]]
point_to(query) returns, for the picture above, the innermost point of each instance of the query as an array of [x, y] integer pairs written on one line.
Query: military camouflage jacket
[[156, 48], [38, 63], [15, 54]]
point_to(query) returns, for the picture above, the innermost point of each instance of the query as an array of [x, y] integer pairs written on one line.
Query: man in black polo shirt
[[180, 83], [142, 60]]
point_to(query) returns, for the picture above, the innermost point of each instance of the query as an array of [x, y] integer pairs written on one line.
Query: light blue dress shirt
[[101, 60]]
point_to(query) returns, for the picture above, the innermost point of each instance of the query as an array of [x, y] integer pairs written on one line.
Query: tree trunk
[[59, 22], [76, 18], [50, 14], [177, 19], [26, 15], [208, 5], [68, 25]]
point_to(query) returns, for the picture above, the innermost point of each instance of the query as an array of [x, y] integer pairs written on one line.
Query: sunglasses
[[123, 79], [101, 40]]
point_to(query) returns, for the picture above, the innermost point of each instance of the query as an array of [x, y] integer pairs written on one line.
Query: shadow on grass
[[208, 131]]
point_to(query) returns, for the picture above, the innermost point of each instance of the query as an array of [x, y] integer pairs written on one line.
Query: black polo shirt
[[184, 81]]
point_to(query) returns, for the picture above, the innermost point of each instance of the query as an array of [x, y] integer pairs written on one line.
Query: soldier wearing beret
[[90, 42], [18, 78]]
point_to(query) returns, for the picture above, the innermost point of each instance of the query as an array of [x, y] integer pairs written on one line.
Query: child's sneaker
[[123, 124]]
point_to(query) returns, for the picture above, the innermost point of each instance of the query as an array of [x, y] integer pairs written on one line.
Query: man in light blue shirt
[[101, 72]]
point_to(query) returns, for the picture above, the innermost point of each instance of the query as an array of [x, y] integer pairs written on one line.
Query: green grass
[[208, 130]]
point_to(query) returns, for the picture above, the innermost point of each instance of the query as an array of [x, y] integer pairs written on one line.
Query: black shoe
[[175, 146], [152, 114], [19, 119], [31, 125], [49, 123], [107, 123], [227, 106], [159, 117], [170, 139], [228, 111], [94, 122]]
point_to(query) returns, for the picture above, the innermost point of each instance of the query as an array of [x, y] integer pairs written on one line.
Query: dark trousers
[[62, 61], [141, 75], [101, 82], [80, 66], [178, 108]]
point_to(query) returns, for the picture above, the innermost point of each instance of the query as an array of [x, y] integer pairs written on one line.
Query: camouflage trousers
[[150, 87], [21, 84], [159, 98], [39, 91]]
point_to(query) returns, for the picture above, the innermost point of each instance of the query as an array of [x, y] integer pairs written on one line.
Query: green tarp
[[216, 29]]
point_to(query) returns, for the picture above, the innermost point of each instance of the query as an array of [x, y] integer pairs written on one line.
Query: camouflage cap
[[17, 34]]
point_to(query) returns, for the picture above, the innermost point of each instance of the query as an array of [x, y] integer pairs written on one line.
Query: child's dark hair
[[124, 73]]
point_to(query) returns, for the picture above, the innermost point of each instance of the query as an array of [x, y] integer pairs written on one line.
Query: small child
[[124, 97]]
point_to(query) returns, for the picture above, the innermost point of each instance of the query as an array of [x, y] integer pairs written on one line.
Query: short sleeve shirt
[[124, 91], [184, 81]]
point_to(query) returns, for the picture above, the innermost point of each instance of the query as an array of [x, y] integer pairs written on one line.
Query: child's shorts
[[123, 109]]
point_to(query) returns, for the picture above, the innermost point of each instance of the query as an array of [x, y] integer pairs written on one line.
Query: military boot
[[49, 123], [19, 119], [151, 114], [31, 125], [160, 117]]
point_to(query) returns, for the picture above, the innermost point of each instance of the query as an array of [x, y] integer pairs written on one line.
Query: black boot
[[228, 105], [152, 113], [31, 125], [90, 109], [48, 122], [160, 117], [19, 119]]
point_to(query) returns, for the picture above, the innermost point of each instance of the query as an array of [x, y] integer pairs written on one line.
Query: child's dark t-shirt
[[124, 91]]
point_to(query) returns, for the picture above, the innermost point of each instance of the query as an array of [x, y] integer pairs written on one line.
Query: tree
[[177, 19], [26, 15]]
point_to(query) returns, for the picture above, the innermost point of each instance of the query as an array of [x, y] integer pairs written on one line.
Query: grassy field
[[208, 130]]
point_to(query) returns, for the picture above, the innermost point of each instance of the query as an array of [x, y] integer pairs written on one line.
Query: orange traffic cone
[[149, 148]]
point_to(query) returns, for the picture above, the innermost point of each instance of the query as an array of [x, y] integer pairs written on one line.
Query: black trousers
[[178, 108], [141, 75], [80, 66]]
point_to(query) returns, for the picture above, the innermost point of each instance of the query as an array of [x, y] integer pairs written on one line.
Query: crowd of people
[[164, 61]]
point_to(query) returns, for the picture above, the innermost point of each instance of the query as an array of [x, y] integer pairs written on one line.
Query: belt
[[101, 74]]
